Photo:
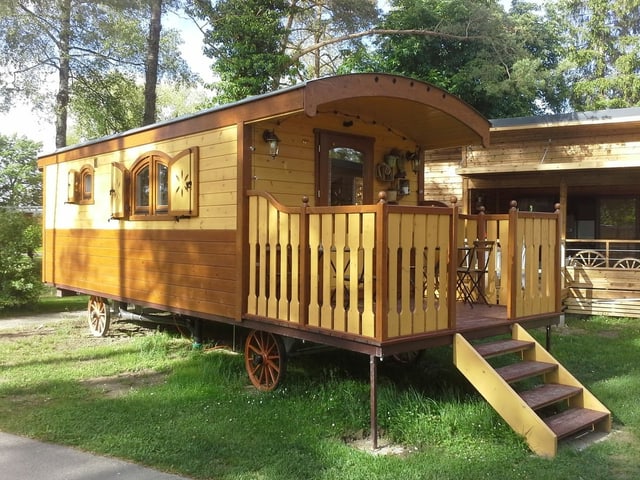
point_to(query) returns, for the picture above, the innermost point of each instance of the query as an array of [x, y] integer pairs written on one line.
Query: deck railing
[[385, 271]]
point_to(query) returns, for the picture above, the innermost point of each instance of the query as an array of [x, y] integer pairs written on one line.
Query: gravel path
[[36, 320]]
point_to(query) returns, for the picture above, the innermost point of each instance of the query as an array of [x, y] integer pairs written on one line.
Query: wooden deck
[[481, 321]]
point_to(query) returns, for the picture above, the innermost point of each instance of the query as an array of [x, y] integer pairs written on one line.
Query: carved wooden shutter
[[119, 190], [73, 187], [183, 184]]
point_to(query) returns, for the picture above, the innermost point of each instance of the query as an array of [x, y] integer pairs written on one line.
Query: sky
[[22, 120]]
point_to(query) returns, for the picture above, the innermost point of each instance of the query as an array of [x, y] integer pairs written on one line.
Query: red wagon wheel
[[264, 359], [99, 316]]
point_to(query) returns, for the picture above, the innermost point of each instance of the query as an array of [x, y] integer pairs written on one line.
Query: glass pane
[[87, 183], [163, 187], [346, 176], [618, 218], [142, 187]]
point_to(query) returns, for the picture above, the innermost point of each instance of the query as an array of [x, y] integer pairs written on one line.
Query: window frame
[[76, 192], [86, 197], [154, 161]]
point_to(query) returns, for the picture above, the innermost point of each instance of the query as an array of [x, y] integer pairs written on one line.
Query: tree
[[151, 62], [20, 281], [602, 51], [74, 40], [501, 64], [261, 45], [246, 40], [104, 104], [20, 180]]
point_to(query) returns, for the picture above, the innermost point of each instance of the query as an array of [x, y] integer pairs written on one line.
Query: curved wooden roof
[[426, 114]]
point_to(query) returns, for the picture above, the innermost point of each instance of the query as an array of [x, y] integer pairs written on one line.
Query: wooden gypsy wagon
[[296, 215]]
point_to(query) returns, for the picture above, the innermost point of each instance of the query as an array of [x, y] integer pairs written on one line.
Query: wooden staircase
[[555, 407]]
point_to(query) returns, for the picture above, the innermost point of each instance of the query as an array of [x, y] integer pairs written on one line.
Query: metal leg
[[548, 338], [373, 379]]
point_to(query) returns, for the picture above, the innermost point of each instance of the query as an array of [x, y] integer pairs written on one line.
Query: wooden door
[[343, 169]]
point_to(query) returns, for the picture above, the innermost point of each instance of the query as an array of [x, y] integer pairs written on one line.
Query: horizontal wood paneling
[[602, 291], [217, 185], [291, 174], [184, 270]]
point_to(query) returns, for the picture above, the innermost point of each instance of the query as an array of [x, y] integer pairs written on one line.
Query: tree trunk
[[62, 97], [151, 64]]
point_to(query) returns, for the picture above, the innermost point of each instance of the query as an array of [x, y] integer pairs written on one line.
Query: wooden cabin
[[297, 215], [588, 162]]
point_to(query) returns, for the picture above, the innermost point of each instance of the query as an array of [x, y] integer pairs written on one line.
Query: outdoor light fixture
[[270, 137]]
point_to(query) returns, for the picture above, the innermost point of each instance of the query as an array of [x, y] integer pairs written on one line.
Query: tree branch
[[381, 31]]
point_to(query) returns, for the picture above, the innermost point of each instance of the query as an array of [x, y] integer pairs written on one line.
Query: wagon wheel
[[407, 358], [628, 262], [588, 258], [99, 316], [264, 359]]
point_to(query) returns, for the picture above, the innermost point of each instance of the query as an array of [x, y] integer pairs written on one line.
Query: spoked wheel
[[588, 258], [627, 263], [265, 360], [407, 358], [99, 316]]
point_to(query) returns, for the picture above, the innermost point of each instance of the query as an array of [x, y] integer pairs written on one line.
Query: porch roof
[[421, 112], [429, 116]]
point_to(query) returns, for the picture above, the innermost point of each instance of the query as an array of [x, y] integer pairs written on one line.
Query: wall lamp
[[270, 137]]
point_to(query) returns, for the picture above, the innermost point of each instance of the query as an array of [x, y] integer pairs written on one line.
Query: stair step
[[521, 370], [548, 394], [574, 420], [501, 347]]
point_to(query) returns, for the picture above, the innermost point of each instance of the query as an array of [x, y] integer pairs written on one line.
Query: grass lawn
[[48, 303], [150, 397]]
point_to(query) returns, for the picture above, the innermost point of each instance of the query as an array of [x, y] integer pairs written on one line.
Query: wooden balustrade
[[385, 271]]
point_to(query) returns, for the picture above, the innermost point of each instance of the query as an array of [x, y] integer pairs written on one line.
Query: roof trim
[[594, 117], [311, 95]]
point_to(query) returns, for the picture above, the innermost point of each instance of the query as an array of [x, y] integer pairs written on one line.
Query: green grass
[[48, 303], [200, 418]]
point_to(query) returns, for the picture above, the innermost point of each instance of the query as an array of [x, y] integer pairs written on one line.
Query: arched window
[[86, 184], [80, 186], [157, 187], [150, 185]]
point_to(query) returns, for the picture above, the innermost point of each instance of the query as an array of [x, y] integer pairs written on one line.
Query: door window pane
[[346, 176]]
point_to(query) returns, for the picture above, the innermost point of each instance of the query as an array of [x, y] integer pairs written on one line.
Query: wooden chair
[[472, 271]]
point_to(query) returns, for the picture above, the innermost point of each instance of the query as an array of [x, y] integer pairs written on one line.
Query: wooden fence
[[601, 277]]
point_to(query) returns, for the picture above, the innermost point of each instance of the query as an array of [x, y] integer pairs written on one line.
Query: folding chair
[[472, 271]]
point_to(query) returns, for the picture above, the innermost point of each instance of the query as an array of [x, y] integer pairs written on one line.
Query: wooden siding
[[217, 186], [188, 271], [553, 154], [441, 178], [602, 291], [291, 175]]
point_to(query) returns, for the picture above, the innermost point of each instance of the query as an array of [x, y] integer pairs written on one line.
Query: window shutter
[[183, 184], [118, 192], [73, 187]]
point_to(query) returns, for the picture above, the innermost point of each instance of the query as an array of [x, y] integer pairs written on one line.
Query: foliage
[[602, 51], [20, 180], [199, 419], [76, 42], [502, 64], [20, 281], [246, 39], [107, 104], [280, 41], [47, 302]]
